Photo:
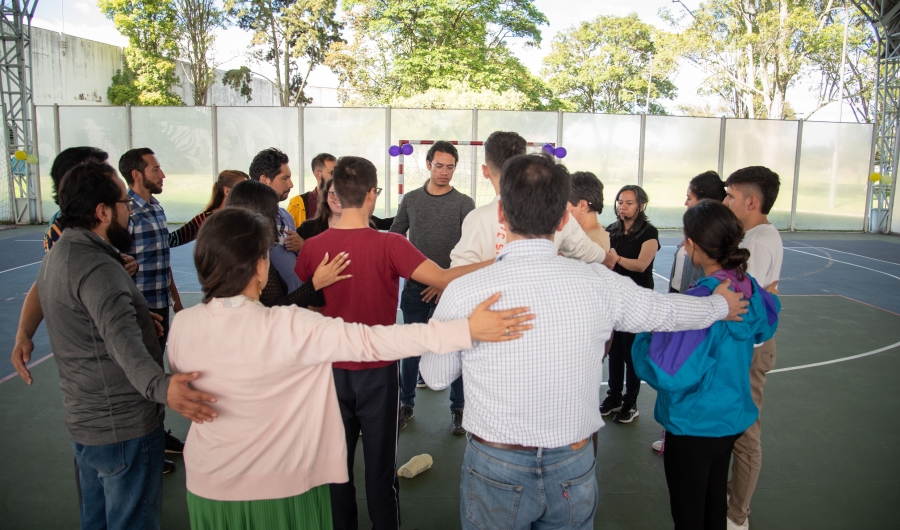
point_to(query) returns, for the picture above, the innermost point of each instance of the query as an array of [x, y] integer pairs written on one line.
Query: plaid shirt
[[151, 250]]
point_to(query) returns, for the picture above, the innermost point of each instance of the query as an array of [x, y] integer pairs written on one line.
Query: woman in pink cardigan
[[278, 441]]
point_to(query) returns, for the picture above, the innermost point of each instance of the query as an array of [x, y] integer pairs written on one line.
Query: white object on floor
[[657, 445], [415, 466], [731, 525]]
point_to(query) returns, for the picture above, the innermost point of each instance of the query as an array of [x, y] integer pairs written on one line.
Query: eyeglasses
[[332, 194], [378, 191], [129, 204], [440, 167]]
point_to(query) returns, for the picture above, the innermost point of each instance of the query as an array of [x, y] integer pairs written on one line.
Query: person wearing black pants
[[369, 401], [696, 473], [622, 376]]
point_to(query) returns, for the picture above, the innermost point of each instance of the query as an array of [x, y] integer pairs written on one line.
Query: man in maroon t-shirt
[[368, 393]]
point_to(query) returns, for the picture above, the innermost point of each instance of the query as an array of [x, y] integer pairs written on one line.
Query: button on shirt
[[543, 389], [151, 250]]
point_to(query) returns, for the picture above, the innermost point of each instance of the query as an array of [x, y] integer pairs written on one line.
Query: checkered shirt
[[151, 250], [543, 390]]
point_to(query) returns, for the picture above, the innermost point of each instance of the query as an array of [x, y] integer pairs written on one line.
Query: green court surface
[[830, 437]]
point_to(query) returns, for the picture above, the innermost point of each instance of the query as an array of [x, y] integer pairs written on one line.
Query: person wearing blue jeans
[[416, 310], [121, 483]]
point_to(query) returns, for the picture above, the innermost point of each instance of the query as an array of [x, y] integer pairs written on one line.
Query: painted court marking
[[857, 255], [21, 266], [844, 262], [833, 361], [29, 366]]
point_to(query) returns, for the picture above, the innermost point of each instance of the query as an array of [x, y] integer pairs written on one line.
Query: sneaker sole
[[610, 411], [421, 385], [458, 431], [629, 420], [174, 452]]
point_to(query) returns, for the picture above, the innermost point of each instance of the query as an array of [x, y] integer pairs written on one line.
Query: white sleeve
[[476, 237], [439, 371], [760, 263], [574, 243]]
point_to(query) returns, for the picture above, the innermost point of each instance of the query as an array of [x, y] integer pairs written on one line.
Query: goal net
[[412, 172]]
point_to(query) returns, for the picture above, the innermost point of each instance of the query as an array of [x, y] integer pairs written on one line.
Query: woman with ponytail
[[702, 377], [221, 187]]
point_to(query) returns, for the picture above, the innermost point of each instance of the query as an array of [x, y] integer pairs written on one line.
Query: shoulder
[[463, 199], [651, 232]]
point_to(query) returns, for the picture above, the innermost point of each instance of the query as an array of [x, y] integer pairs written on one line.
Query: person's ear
[[428, 165], [752, 202], [103, 213], [485, 172], [137, 176], [563, 221], [500, 216], [262, 269], [226, 191]]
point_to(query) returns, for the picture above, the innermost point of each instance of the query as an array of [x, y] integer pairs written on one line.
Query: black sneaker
[[168, 467], [627, 414], [173, 444], [406, 414], [610, 404], [456, 417], [420, 383]]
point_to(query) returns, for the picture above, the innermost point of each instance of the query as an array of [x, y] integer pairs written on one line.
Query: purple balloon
[[560, 152], [394, 150], [548, 148], [406, 149]]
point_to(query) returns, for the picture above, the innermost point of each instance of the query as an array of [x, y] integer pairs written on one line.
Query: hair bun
[[736, 258]]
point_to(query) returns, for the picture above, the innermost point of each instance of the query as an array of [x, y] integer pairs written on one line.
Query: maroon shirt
[[313, 205]]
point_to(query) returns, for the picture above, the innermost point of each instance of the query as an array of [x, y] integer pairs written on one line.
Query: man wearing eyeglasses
[[433, 216]]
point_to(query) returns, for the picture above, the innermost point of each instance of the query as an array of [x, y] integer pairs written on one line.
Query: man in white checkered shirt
[[533, 404]]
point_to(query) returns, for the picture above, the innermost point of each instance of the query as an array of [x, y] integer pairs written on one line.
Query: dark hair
[[229, 245], [267, 162], [353, 178], [82, 189], [227, 179], [714, 228], [133, 160], [256, 196], [763, 180], [442, 147], [641, 221], [323, 209], [533, 192], [69, 158], [501, 146], [587, 187], [708, 185], [319, 161]]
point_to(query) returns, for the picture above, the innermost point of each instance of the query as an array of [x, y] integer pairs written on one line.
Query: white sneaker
[[731, 525], [657, 445]]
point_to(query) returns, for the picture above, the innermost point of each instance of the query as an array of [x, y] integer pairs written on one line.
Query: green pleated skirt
[[307, 511]]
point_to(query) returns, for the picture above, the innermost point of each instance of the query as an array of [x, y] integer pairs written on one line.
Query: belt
[[512, 447]]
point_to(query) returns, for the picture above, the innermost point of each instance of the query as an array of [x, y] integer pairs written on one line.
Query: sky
[[82, 18]]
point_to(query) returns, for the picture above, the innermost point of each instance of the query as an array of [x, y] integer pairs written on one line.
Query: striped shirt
[[151, 250], [543, 390]]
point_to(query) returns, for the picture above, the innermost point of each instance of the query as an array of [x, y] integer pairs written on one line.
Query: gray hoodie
[[104, 341]]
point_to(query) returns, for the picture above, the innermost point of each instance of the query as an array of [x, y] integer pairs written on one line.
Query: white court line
[[661, 276], [29, 366], [858, 255], [30, 240], [845, 263], [21, 266], [842, 359]]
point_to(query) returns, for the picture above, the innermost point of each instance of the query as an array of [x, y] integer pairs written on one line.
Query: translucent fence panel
[[607, 145], [834, 167], [769, 143], [46, 144], [181, 137], [675, 150], [245, 131], [345, 132]]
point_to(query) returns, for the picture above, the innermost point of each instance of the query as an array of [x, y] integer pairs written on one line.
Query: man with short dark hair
[[270, 166], [433, 216], [368, 392], [305, 205], [110, 362], [751, 192], [533, 404]]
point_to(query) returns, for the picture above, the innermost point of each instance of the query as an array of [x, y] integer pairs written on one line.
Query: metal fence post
[[722, 146], [214, 119], [797, 153], [869, 184], [641, 150], [39, 207], [57, 140], [473, 185], [559, 128], [387, 161], [301, 147], [129, 143]]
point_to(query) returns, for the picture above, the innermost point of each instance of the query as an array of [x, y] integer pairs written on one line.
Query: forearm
[[645, 310], [576, 244], [31, 315], [634, 264]]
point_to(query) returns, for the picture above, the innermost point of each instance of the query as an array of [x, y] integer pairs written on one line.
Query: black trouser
[[164, 313], [369, 400], [621, 370], [697, 474]]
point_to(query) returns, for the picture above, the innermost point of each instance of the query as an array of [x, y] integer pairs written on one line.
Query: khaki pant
[[747, 455]]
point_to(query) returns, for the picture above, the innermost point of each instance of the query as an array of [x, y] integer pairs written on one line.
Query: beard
[[118, 235], [155, 188]]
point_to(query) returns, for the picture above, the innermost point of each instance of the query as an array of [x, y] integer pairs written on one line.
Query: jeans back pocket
[[582, 494], [491, 505]]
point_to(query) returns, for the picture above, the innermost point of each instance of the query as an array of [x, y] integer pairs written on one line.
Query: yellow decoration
[[886, 180], [20, 155], [875, 177], [32, 159]]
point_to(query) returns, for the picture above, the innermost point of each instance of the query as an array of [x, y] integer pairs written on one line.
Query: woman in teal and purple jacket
[[702, 377]]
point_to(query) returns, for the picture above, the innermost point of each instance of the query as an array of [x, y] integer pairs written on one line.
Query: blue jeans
[[416, 311], [121, 483], [543, 488]]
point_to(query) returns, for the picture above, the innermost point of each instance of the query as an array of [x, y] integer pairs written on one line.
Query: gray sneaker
[[406, 414], [456, 417], [627, 414]]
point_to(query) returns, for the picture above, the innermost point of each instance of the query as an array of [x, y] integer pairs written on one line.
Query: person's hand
[[187, 402], [431, 293], [177, 306], [131, 266], [773, 288], [21, 354], [292, 241], [612, 257], [736, 304], [497, 326], [329, 273], [157, 323]]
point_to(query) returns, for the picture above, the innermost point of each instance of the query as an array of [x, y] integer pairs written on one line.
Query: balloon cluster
[[558, 152], [22, 155], [396, 150], [878, 177]]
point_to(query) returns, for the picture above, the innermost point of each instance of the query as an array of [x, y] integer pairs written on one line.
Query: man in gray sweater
[[109, 359], [433, 216]]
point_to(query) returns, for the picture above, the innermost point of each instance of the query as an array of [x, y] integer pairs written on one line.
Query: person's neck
[[512, 236], [495, 182], [627, 225], [252, 290], [353, 218], [711, 267], [100, 230], [141, 192], [755, 221], [334, 220], [434, 189], [590, 222]]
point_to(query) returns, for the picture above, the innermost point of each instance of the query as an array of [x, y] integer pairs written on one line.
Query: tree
[[406, 47], [149, 70], [195, 22], [284, 33], [460, 95], [608, 64]]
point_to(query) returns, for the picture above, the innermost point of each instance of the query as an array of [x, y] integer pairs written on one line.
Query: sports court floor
[[831, 425]]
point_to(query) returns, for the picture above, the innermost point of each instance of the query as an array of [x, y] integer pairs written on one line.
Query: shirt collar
[[527, 247], [140, 202]]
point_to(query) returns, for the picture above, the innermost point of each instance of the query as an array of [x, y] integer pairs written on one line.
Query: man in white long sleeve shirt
[[532, 405], [483, 236]]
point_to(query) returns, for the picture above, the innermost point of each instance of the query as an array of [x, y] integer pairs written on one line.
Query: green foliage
[[406, 47], [149, 71], [605, 65], [195, 22], [460, 95], [239, 79]]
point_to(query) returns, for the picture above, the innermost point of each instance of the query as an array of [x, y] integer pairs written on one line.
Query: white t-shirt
[[766, 253], [680, 256]]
